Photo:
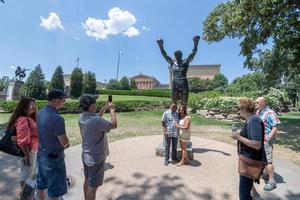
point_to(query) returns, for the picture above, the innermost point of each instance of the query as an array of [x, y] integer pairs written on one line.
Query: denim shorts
[[52, 175]]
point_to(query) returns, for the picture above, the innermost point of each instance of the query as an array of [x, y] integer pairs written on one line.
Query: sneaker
[[166, 163], [271, 185]]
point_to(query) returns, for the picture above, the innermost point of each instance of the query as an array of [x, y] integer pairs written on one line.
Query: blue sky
[[56, 32]]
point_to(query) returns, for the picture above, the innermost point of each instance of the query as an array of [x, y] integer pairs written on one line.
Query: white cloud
[[145, 28], [52, 22], [13, 67], [118, 22], [76, 38]]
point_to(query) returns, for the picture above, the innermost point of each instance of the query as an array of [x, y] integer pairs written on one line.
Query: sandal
[[270, 186], [180, 164]]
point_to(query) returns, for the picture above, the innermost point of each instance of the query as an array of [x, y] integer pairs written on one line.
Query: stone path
[[134, 172]]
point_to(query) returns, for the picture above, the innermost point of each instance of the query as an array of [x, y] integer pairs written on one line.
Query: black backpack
[[9, 146]]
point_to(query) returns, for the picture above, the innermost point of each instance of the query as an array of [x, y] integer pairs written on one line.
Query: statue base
[[160, 150]]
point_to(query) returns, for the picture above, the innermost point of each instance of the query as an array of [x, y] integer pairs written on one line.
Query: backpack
[[9, 146]]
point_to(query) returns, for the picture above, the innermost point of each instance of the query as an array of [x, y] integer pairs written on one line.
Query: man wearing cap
[[52, 142], [93, 129]]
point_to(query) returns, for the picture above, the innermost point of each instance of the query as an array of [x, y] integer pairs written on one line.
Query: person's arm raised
[[160, 43], [194, 51]]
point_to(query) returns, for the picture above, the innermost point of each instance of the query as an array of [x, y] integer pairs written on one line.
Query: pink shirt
[[27, 133]]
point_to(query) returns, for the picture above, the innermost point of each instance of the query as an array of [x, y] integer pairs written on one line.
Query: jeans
[[174, 147], [245, 188]]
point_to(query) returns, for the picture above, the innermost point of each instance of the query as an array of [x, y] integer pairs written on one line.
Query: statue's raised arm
[[194, 51], [160, 43]]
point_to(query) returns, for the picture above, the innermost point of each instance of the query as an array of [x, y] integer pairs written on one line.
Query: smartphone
[[109, 98]]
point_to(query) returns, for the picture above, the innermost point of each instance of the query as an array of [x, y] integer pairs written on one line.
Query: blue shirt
[[50, 125], [169, 118]]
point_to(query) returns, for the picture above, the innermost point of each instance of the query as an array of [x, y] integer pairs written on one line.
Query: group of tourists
[[255, 139], [42, 138]]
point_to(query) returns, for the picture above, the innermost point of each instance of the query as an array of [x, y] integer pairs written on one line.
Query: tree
[[253, 82], [132, 84], [76, 83], [89, 83], [35, 84], [124, 82], [256, 23], [113, 84], [200, 85], [57, 80], [4, 81], [220, 81]]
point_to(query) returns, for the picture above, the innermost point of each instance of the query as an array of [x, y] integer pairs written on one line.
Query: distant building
[[145, 82], [67, 80], [203, 71]]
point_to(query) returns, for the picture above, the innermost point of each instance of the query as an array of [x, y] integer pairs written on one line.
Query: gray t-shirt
[[50, 125], [94, 140]]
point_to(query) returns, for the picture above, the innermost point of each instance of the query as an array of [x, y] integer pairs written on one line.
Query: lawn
[[103, 97]]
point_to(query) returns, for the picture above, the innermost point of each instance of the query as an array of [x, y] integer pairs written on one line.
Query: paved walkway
[[134, 172]]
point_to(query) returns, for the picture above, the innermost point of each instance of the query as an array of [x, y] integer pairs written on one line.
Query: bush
[[196, 97], [226, 104], [72, 106], [150, 93]]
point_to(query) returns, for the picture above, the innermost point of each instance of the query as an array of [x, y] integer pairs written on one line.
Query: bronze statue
[[20, 73], [178, 69]]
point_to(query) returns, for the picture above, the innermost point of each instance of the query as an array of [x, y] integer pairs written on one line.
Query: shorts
[[28, 171], [269, 152], [94, 174], [52, 175]]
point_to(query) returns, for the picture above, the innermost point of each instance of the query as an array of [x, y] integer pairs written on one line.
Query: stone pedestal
[[160, 150], [13, 90]]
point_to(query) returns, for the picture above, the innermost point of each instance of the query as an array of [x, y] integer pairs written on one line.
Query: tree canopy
[[57, 80], [257, 23], [89, 83], [76, 83]]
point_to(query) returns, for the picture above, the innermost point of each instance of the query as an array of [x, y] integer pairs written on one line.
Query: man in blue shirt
[[170, 132], [52, 142]]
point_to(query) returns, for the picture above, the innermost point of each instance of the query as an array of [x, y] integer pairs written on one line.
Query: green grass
[[292, 118]]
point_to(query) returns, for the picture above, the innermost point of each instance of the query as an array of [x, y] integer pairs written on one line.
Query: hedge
[[150, 93], [72, 106]]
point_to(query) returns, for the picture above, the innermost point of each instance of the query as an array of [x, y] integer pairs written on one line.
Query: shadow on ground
[[147, 187], [204, 150], [289, 135]]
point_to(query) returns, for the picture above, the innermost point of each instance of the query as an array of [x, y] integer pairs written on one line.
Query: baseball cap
[[86, 100], [56, 94]]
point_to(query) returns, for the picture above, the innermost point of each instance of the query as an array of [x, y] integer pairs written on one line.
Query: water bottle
[[234, 129]]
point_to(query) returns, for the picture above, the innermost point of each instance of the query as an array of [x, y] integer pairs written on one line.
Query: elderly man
[[170, 132], [271, 123], [93, 129]]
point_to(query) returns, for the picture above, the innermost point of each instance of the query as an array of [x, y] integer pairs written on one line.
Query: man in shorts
[[52, 175], [93, 129], [271, 122]]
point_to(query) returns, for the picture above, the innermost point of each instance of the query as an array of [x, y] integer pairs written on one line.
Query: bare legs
[[89, 192], [184, 157]]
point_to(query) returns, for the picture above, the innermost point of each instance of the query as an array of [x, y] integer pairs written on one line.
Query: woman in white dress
[[184, 133]]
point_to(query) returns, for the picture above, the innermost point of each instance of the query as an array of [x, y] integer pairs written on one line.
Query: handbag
[[9, 146], [249, 167]]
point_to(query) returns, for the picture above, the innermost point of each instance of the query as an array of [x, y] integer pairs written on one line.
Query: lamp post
[[119, 56]]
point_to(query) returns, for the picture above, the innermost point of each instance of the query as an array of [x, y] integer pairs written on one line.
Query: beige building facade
[[144, 82], [203, 71]]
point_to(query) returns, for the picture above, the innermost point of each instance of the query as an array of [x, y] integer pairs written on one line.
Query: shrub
[[151, 93], [226, 104]]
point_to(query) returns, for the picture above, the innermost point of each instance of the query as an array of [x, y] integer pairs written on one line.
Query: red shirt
[[27, 133]]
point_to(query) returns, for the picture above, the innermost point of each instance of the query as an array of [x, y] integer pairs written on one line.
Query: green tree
[[89, 83], [132, 84], [257, 23], [124, 82], [113, 84], [76, 83], [200, 85], [220, 82], [57, 80], [4, 81], [35, 84], [253, 82]]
